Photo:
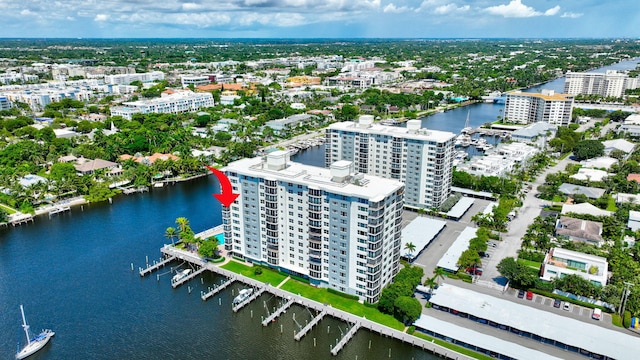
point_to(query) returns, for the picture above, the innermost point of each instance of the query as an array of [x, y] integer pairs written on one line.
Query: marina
[[256, 289]]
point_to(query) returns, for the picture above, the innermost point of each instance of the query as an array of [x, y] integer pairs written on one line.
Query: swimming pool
[[220, 238]]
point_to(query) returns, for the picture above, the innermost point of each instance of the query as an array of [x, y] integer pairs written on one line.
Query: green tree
[[348, 112], [61, 171], [516, 273], [407, 309], [209, 248], [99, 192], [588, 149], [171, 233], [410, 247]]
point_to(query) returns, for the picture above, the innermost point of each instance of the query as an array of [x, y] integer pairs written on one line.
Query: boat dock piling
[[250, 299], [345, 339], [216, 289], [156, 266], [277, 313], [310, 325], [325, 309], [188, 277]]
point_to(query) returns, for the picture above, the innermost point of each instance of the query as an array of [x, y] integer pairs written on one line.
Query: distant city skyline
[[320, 19]]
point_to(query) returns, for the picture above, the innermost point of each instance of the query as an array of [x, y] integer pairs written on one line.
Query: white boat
[[33, 343], [242, 296], [181, 275]]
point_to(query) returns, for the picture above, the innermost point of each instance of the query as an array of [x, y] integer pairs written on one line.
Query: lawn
[[557, 199], [8, 209], [611, 206], [531, 264], [351, 306], [454, 347], [268, 276]]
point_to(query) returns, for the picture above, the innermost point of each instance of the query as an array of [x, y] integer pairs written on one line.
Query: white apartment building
[[126, 79], [37, 99], [5, 104], [500, 161], [14, 77], [549, 107], [610, 83], [337, 228], [179, 102], [195, 80], [421, 158], [560, 262]]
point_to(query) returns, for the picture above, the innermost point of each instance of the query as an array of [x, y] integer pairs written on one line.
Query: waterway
[[73, 274]]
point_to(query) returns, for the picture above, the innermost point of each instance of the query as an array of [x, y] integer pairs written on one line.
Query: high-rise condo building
[[421, 158], [610, 83], [549, 107], [337, 228]]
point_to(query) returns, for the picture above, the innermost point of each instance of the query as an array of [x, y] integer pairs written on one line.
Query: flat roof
[[590, 337], [479, 339], [421, 231], [450, 259], [483, 194], [369, 187], [460, 207], [398, 131]]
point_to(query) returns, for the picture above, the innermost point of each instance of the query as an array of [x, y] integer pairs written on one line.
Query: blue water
[[220, 238], [73, 274]]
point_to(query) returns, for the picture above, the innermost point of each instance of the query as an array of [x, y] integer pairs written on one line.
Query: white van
[[597, 314]]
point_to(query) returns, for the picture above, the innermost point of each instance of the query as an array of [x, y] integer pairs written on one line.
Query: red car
[[474, 271], [529, 295]]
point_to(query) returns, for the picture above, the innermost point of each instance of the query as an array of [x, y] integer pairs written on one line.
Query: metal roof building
[[420, 232], [561, 331], [449, 260]]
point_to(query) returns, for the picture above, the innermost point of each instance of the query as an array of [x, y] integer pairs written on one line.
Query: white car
[[566, 306]]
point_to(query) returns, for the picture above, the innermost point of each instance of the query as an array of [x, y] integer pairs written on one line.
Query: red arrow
[[227, 197]]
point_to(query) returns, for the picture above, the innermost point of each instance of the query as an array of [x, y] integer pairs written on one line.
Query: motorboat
[[35, 343], [181, 275], [242, 296]]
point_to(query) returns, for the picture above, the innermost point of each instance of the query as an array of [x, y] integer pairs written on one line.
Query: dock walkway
[[156, 266], [328, 309], [277, 313], [216, 289], [188, 277], [249, 300], [336, 349], [310, 325]]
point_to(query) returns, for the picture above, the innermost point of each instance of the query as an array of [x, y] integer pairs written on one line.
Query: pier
[[310, 325], [277, 313], [58, 210], [216, 289], [133, 190], [250, 299], [156, 266], [324, 309], [19, 219], [345, 339], [188, 277]]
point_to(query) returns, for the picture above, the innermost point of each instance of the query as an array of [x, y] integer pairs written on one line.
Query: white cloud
[[554, 10], [27, 12], [392, 8], [571, 15], [515, 9], [450, 8], [101, 17]]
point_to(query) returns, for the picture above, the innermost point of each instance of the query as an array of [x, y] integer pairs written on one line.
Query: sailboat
[[467, 129], [33, 343]]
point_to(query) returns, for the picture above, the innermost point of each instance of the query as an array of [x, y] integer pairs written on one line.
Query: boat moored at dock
[[181, 275], [242, 296]]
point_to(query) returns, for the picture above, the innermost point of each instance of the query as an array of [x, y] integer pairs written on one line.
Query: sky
[[320, 19]]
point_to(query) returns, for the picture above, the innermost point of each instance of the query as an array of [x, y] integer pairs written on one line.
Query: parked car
[[492, 244], [520, 294], [597, 314], [486, 255], [529, 295], [474, 271], [556, 303], [566, 306]]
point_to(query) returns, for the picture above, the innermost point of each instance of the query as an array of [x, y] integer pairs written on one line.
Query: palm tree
[[183, 223], [410, 247], [431, 283], [439, 273], [171, 233]]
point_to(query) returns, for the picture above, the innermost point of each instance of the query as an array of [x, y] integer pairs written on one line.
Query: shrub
[[626, 320], [346, 296], [257, 270]]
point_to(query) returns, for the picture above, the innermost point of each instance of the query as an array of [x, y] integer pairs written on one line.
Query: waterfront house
[[86, 167]]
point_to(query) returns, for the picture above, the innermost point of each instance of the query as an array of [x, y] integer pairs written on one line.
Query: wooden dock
[[59, 209], [216, 289], [325, 309], [250, 299], [345, 339], [277, 313], [310, 325], [21, 219], [188, 277], [156, 266]]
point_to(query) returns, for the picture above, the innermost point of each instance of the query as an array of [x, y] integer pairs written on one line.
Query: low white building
[[560, 262], [179, 102], [602, 162], [500, 161], [126, 79], [631, 125], [618, 144], [585, 174], [634, 220]]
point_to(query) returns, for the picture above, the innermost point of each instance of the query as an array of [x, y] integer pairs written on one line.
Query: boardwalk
[[336, 349], [328, 309], [253, 296], [156, 266], [310, 325]]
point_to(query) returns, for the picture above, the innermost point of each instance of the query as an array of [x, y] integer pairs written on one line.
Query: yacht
[[181, 275], [463, 140], [242, 296], [33, 343]]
